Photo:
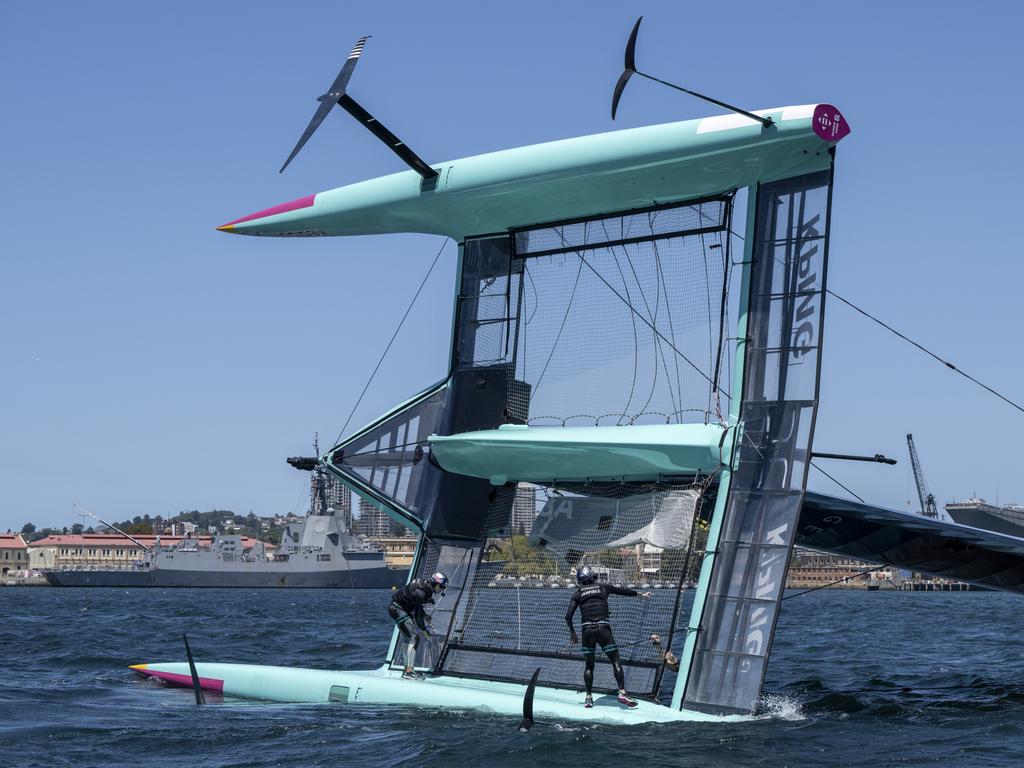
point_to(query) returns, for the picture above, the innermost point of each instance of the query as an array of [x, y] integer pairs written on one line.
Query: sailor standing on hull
[[406, 609], [592, 600]]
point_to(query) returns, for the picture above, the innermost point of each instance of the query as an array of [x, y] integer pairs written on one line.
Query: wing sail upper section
[[745, 571]]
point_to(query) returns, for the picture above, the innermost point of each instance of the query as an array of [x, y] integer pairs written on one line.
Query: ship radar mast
[[318, 479]]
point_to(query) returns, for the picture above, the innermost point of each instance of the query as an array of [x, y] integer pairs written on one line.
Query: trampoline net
[[611, 320]]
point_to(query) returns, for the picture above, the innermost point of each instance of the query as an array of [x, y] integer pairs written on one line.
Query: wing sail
[[744, 573]]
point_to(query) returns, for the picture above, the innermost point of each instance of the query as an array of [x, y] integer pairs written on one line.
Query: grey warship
[[318, 552], [977, 513]]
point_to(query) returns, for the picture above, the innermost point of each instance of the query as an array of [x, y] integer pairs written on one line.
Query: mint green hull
[[614, 171], [516, 453], [385, 686]]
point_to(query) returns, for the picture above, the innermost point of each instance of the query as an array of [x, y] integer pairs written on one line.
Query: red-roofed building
[[106, 550], [13, 553]]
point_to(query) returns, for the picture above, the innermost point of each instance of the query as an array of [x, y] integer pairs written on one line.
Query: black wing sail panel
[[769, 472], [386, 463]]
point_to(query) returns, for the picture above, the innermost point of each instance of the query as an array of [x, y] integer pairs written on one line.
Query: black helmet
[[439, 580], [586, 575]]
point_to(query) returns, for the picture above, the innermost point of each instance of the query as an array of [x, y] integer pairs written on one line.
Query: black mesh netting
[[503, 616], [621, 316], [613, 320]]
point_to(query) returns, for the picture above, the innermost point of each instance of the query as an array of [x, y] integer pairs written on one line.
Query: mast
[[318, 502], [318, 479], [928, 506]]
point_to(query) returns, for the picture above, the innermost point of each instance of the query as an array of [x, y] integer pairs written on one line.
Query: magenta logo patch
[[829, 123]]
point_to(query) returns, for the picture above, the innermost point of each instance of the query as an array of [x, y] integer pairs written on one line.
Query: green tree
[[610, 558], [524, 559], [672, 563], [27, 530]]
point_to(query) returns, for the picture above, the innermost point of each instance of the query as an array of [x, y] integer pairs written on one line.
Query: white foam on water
[[778, 707]]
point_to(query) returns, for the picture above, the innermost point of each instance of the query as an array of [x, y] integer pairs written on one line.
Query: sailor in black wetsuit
[[406, 609], [592, 600]]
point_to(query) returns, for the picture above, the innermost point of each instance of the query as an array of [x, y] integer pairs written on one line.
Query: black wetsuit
[[592, 600], [407, 605]]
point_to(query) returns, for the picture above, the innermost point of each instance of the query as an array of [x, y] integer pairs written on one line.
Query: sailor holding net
[[592, 600], [407, 611]]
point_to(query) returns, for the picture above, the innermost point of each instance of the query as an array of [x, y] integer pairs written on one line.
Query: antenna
[[111, 527], [336, 95], [629, 69]]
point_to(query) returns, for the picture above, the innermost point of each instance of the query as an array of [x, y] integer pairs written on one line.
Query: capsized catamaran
[[593, 278]]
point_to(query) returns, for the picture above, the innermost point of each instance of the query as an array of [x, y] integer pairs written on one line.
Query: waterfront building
[[650, 561], [641, 562], [13, 553], [183, 528], [106, 550], [811, 568], [399, 551]]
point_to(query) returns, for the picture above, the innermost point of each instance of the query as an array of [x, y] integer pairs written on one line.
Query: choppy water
[[856, 679]]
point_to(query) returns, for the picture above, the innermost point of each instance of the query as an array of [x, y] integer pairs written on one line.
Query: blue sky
[[151, 364]]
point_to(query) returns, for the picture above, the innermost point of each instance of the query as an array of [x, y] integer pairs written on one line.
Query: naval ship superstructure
[[978, 513], [318, 552]]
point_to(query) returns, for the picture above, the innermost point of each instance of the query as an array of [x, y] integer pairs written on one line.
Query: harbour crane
[[928, 506]]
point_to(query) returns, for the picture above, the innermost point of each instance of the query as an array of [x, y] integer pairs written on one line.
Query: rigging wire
[[722, 316], [660, 288], [826, 474], [707, 288], [645, 320], [636, 338], [376, 451], [561, 328], [668, 306], [925, 350], [657, 347], [907, 339], [392, 341], [658, 352], [837, 581], [654, 315]]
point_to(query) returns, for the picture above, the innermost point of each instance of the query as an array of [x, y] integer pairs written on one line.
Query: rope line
[[392, 341], [838, 581], [826, 474], [925, 350]]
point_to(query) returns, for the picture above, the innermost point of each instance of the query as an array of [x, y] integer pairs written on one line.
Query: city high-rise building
[[524, 509], [375, 523], [338, 497]]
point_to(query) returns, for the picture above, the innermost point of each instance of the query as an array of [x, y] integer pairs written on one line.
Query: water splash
[[773, 706]]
